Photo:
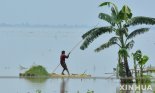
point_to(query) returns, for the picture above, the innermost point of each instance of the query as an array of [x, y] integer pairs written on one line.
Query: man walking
[[62, 62]]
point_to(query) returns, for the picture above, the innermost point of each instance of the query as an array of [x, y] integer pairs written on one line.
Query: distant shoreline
[[44, 25], [26, 25]]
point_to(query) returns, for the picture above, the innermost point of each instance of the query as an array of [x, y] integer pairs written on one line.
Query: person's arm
[[68, 55]]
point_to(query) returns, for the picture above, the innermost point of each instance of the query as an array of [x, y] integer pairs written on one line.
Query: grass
[[36, 71]]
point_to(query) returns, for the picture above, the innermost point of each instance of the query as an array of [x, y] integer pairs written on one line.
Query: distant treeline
[[43, 25]]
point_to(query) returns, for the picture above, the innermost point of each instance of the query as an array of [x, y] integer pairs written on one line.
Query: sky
[[64, 11], [26, 46]]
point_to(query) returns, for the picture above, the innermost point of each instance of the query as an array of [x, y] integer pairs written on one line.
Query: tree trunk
[[141, 73], [128, 72], [121, 69], [135, 68]]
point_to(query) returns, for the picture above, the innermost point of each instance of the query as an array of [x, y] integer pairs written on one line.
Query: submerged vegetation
[[38, 91], [89, 91], [35, 71]]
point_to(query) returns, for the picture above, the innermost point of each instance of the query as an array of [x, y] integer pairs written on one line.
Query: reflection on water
[[63, 85], [36, 80], [53, 85]]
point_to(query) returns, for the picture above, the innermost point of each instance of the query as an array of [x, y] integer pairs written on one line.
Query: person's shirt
[[63, 57]]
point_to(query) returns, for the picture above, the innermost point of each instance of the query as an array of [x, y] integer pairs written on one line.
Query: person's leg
[[63, 71], [67, 71], [65, 66]]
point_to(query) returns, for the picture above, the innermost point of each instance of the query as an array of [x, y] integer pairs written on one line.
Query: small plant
[[38, 91], [141, 59], [89, 91]]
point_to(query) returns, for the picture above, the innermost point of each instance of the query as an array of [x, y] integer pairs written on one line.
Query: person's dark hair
[[63, 52]]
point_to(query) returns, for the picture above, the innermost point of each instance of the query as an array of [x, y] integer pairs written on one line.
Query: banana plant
[[136, 57], [119, 22], [142, 60]]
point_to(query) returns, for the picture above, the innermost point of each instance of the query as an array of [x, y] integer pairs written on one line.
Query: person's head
[[63, 52]]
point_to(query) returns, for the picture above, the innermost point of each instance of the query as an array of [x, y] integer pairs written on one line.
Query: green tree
[[119, 23]]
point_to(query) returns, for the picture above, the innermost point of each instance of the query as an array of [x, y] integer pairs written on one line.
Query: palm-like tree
[[119, 22]]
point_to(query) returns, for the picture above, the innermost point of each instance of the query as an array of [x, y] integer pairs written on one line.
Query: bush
[[36, 71]]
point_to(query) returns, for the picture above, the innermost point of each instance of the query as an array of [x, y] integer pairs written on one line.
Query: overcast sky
[[64, 11]]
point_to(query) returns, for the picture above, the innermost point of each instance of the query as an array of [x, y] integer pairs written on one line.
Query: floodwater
[[42, 46], [66, 85], [18, 85]]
